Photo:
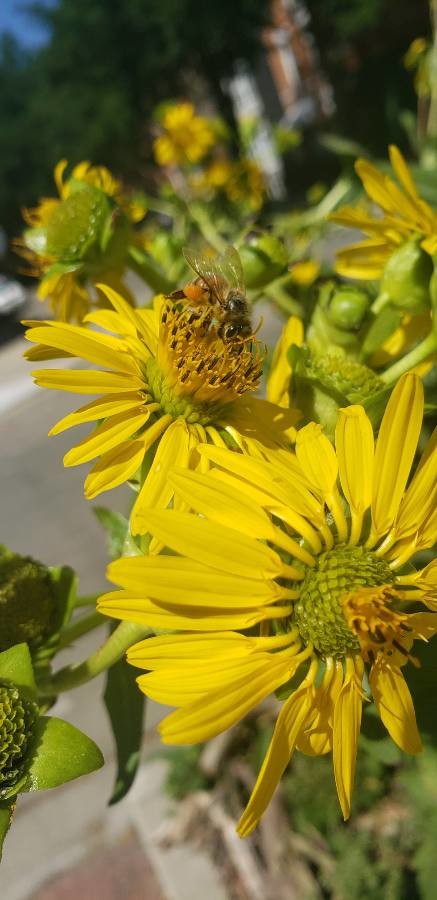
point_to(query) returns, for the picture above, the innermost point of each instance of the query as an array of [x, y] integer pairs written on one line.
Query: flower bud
[[407, 276], [322, 383], [263, 258], [75, 225], [348, 307], [17, 720], [339, 315], [27, 601]]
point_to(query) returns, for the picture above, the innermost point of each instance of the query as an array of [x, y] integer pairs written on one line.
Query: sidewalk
[[66, 843]]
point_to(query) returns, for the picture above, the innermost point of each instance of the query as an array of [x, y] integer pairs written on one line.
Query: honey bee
[[220, 285]]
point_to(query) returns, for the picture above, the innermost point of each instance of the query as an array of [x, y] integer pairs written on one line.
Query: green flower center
[[176, 403], [319, 614], [17, 720], [76, 224]]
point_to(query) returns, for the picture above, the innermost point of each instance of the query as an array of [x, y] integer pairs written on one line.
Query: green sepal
[[119, 540], [36, 239], [376, 404], [61, 753], [382, 327], [16, 666], [60, 268], [125, 705], [6, 813]]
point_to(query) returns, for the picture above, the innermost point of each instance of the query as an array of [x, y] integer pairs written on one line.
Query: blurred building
[[286, 88]]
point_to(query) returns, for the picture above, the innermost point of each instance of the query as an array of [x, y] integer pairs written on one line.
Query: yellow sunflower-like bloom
[[79, 238], [404, 215], [187, 137], [312, 548], [166, 379]]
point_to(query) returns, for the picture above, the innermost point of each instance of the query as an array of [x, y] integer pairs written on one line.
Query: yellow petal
[[105, 437], [222, 548], [266, 501], [278, 382], [111, 321], [180, 649], [355, 447], [215, 500], [176, 687], [182, 581], [261, 420], [99, 409], [157, 491], [317, 458], [395, 706], [100, 349], [402, 171], [114, 468], [420, 497], [59, 170], [86, 381], [347, 723], [123, 605], [290, 722], [395, 450], [226, 706]]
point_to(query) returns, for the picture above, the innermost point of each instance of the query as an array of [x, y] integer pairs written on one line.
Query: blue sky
[[23, 27]]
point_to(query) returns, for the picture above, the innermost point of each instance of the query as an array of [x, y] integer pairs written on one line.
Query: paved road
[[64, 842]]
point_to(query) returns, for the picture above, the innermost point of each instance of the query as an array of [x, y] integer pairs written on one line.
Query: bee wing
[[218, 271], [232, 269]]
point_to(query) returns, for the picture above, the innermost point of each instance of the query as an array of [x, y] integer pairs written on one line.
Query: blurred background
[[303, 87]]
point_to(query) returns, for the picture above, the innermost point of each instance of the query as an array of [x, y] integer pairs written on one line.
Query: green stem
[[126, 634], [81, 625], [381, 301], [200, 217], [423, 350], [281, 298], [149, 271]]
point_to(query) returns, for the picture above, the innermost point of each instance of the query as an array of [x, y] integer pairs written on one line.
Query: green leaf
[[125, 704], [116, 527], [6, 812], [64, 582], [61, 753], [16, 666]]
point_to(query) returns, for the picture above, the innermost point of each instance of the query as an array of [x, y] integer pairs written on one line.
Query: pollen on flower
[[195, 366], [319, 612], [379, 627]]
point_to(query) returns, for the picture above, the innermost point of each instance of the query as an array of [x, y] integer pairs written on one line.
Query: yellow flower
[[404, 215], [166, 380], [311, 548], [246, 185], [305, 272], [187, 137], [79, 238]]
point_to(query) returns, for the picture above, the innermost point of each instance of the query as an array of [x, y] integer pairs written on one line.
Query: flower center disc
[[319, 614]]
